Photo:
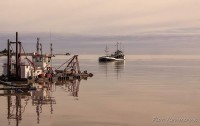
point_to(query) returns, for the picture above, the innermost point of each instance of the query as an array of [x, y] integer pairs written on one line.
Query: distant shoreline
[[1, 54]]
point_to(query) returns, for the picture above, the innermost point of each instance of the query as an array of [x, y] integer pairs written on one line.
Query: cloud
[[98, 16]]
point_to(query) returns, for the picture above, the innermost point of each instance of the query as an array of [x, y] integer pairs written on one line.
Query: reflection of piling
[[9, 104], [18, 108]]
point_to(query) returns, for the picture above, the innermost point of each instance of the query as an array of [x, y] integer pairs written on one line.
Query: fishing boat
[[118, 55], [21, 67]]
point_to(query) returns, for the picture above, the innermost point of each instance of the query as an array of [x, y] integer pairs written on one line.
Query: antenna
[[123, 49], [120, 46], [41, 48], [50, 36], [106, 50], [37, 45], [51, 49], [117, 45]]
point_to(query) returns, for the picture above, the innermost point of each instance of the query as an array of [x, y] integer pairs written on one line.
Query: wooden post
[[19, 59], [8, 60], [9, 105], [16, 57]]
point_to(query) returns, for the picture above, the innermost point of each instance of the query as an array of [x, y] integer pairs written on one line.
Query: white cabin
[[41, 64], [25, 71], [41, 61]]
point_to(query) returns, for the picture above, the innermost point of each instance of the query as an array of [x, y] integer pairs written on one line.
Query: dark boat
[[118, 55]]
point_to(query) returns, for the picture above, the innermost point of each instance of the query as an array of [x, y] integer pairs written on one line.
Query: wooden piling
[[8, 60], [16, 57]]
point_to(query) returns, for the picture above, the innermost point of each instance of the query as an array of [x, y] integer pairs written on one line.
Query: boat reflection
[[71, 86], [42, 98], [15, 108], [110, 67], [43, 95]]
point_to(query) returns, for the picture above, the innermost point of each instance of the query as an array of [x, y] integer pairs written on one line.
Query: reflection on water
[[14, 105], [71, 86], [17, 100], [169, 86], [43, 95], [112, 67]]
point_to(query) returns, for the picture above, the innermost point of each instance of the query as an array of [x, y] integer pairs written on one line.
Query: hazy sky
[[107, 17]]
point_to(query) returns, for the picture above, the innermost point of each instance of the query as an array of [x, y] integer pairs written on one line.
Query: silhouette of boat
[[118, 55]]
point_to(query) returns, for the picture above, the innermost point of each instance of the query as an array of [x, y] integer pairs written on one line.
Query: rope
[[24, 51], [29, 61]]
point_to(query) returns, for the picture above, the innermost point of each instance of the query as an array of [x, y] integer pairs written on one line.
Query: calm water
[[158, 84], [145, 90]]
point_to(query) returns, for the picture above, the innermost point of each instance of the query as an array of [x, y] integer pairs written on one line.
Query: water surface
[[144, 90]]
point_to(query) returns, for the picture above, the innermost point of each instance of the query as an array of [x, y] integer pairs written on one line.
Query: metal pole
[[19, 59], [51, 49], [51, 54], [117, 46], [78, 67], [17, 63], [41, 48], [37, 45], [8, 59]]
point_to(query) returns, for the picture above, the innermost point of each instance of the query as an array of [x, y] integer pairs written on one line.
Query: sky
[[100, 17]]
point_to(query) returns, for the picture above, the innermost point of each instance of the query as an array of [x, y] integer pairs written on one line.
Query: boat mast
[[51, 48], [117, 49], [41, 48], [120, 46], [37, 45], [117, 45], [106, 50], [16, 57], [8, 60]]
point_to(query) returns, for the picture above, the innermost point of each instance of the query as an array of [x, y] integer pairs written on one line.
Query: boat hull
[[109, 59]]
